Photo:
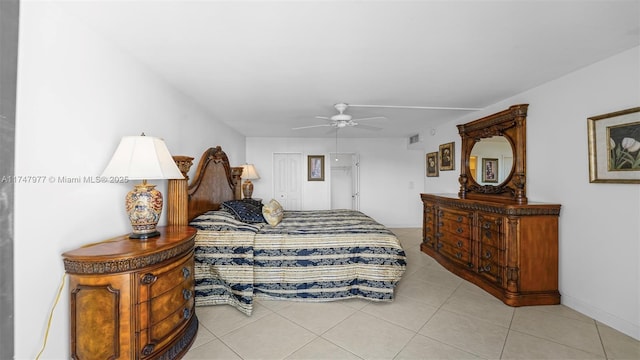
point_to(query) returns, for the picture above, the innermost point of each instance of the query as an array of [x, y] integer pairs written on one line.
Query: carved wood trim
[[214, 182], [129, 264], [511, 124]]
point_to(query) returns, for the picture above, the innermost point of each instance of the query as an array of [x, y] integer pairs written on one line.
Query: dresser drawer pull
[[459, 243], [487, 234], [487, 254], [186, 294], [459, 230], [486, 268], [186, 272], [148, 349], [486, 225], [148, 279], [186, 313], [460, 218], [459, 255], [439, 246]]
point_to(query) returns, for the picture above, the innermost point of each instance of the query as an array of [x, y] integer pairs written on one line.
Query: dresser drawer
[[163, 279], [455, 216], [160, 307], [491, 263], [455, 253], [455, 241], [159, 334], [490, 229]]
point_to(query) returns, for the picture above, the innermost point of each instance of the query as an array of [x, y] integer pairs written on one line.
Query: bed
[[320, 255]]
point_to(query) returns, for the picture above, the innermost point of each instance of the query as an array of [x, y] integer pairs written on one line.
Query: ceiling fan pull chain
[[336, 144]]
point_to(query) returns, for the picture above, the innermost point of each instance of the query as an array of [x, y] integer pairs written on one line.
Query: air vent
[[414, 139]]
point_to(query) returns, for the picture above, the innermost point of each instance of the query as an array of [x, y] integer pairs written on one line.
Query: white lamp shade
[[249, 172], [142, 158]]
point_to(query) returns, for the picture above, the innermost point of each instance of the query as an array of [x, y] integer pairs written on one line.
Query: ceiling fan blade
[[367, 127], [417, 107], [312, 126], [370, 118], [323, 117]]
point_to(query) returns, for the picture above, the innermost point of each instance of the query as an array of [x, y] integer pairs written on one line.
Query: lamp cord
[[55, 303]]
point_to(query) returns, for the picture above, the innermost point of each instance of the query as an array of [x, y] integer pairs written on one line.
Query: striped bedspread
[[310, 256]]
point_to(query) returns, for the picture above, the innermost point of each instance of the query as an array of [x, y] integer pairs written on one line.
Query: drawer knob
[[459, 243], [186, 313], [459, 230], [186, 272], [487, 254], [148, 279], [460, 218], [439, 246], [186, 294], [486, 225], [459, 255], [148, 349], [487, 234]]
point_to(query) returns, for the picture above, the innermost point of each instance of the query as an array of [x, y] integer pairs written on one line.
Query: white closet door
[[287, 181]]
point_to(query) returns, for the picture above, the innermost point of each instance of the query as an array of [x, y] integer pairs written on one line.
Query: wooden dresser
[[508, 249], [133, 299]]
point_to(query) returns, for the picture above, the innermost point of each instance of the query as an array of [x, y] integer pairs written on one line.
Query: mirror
[[494, 160], [493, 157]]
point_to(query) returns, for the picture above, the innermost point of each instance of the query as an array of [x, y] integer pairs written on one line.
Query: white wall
[[77, 96], [390, 175], [599, 223]]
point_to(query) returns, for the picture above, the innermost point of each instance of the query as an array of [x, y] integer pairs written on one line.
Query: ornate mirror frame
[[512, 124]]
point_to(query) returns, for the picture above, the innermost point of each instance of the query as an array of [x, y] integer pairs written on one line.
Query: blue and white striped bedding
[[310, 256]]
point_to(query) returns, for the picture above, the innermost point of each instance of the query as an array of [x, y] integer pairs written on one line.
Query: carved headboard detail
[[214, 182]]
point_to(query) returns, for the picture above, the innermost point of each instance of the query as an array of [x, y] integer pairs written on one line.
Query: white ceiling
[[264, 67]]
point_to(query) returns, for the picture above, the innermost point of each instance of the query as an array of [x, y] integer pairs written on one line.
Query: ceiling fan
[[342, 120]]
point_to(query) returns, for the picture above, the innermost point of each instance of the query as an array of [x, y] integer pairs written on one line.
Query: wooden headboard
[[214, 182]]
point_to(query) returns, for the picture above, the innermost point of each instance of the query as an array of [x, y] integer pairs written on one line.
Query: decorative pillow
[[244, 211], [273, 212]]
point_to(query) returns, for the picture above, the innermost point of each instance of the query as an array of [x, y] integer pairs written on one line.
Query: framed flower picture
[[315, 168], [614, 147], [447, 156], [489, 170], [432, 164]]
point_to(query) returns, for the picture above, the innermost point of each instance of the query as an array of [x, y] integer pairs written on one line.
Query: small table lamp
[[142, 158], [248, 173]]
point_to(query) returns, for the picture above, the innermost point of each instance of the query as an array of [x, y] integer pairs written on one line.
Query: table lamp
[[142, 158], [248, 173]]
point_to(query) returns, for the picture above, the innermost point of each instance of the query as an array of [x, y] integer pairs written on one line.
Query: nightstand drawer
[[161, 280], [159, 334]]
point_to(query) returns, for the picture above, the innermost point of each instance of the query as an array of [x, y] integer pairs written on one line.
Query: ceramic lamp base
[[144, 206], [247, 189]]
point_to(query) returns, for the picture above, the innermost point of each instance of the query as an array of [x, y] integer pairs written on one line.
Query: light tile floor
[[436, 315]]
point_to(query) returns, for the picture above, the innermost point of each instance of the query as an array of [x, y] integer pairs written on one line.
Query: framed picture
[[315, 167], [447, 156], [489, 170], [432, 164], [614, 147]]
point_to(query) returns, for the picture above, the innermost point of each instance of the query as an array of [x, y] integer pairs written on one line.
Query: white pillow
[[273, 212]]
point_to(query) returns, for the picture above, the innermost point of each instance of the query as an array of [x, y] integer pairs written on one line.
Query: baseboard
[[622, 325]]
